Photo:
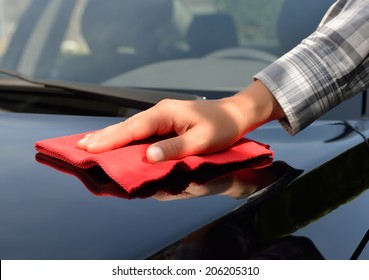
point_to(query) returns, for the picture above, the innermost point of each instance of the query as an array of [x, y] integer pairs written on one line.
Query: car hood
[[47, 214]]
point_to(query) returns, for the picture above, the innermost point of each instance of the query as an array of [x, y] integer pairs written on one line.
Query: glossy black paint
[[47, 214], [319, 215]]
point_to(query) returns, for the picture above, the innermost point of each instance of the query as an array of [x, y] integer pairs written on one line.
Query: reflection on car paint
[[238, 182], [267, 223]]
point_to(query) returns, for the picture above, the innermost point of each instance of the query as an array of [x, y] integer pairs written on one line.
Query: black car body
[[310, 203]]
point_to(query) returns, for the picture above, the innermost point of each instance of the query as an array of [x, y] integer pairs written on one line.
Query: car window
[[209, 45], [10, 13], [122, 40], [256, 22]]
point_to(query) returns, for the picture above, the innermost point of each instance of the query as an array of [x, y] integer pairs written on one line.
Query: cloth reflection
[[242, 183]]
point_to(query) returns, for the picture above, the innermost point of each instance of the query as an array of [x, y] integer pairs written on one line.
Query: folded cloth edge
[[179, 166]]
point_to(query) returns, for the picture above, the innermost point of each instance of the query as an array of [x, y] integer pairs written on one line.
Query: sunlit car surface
[[73, 66]]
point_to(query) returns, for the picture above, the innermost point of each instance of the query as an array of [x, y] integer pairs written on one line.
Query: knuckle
[[131, 124], [167, 104]]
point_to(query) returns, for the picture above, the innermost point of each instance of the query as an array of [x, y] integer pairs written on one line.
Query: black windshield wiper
[[134, 97]]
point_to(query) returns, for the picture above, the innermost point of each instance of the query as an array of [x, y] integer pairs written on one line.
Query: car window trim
[[135, 97]]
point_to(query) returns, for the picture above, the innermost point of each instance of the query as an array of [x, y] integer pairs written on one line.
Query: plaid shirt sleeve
[[329, 66]]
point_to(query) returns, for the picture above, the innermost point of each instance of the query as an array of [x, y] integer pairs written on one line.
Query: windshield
[[209, 45]]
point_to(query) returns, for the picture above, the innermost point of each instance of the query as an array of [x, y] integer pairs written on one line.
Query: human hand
[[201, 126]]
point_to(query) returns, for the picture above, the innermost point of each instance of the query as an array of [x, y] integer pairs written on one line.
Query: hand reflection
[[238, 184]]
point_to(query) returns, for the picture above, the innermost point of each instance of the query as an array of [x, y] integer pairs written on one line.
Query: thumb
[[171, 148]]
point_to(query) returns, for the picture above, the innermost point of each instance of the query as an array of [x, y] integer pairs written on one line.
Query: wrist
[[255, 105]]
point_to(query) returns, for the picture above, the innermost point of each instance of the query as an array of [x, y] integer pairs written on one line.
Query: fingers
[[113, 137], [193, 141], [201, 127], [138, 127]]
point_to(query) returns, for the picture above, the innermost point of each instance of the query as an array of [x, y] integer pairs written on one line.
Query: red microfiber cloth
[[129, 167]]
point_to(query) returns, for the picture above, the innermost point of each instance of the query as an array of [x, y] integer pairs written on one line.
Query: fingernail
[[84, 139], [155, 154]]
